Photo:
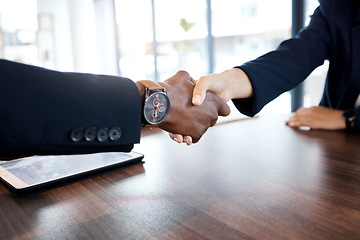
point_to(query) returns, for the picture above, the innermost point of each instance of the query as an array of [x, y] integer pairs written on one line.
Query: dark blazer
[[50, 112], [333, 34]]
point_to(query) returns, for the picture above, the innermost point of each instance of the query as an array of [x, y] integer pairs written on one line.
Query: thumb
[[199, 92]]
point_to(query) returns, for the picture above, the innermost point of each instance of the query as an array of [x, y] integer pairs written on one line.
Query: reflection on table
[[249, 179]]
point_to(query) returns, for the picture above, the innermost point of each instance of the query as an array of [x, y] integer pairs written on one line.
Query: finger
[[187, 140], [199, 93], [293, 121], [184, 75], [179, 77], [294, 117], [289, 120], [176, 137], [172, 137], [294, 124]]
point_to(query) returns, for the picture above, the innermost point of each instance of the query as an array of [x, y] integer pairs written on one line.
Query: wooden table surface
[[250, 179]]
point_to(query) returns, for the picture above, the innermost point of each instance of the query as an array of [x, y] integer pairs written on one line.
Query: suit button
[[90, 134], [102, 135], [115, 133], [77, 134]]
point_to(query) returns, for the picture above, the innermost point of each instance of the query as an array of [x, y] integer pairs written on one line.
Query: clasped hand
[[232, 83], [186, 119], [235, 84]]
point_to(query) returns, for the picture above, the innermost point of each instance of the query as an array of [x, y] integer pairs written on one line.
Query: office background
[[150, 39]]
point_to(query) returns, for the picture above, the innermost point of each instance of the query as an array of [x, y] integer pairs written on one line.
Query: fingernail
[[197, 99], [175, 139]]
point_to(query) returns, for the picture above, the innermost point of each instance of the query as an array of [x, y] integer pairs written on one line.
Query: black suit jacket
[[333, 34], [50, 112]]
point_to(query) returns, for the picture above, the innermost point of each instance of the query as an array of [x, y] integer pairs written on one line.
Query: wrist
[[155, 102], [239, 83]]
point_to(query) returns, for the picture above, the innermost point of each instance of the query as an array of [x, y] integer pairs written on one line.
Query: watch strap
[[152, 86], [349, 117]]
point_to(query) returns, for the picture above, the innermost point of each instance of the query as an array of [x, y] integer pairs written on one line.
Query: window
[[135, 39], [244, 30], [181, 32], [155, 38], [18, 31], [163, 36]]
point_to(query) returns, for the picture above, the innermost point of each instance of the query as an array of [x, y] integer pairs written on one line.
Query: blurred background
[[150, 39]]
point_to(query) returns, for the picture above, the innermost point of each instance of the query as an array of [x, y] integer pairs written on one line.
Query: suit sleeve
[[50, 112], [356, 127], [286, 67]]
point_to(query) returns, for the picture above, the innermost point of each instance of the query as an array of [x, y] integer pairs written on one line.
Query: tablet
[[39, 173]]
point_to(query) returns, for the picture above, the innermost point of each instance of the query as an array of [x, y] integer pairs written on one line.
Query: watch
[[349, 117], [156, 104]]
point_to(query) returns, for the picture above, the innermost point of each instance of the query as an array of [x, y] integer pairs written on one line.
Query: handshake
[[192, 108]]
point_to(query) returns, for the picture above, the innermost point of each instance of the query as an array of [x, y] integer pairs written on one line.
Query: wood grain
[[251, 179]]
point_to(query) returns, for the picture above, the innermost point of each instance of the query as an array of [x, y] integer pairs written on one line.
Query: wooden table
[[251, 179]]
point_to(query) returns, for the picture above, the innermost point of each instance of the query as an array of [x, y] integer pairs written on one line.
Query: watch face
[[349, 114], [156, 108]]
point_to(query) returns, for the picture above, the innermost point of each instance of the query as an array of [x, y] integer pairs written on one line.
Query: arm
[[255, 83], [356, 126], [230, 84], [286, 67], [41, 108], [49, 112], [266, 77], [185, 118]]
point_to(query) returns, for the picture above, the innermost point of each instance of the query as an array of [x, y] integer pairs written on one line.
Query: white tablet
[[39, 173]]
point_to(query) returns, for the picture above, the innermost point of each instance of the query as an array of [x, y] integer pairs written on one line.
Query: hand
[[318, 118], [233, 83], [184, 118]]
